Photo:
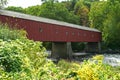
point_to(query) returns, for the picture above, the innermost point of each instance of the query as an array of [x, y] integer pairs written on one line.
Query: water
[[112, 59]]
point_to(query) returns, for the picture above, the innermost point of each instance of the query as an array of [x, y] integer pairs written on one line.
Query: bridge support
[[93, 47], [61, 50]]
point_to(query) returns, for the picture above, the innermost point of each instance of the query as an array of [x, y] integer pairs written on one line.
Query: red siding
[[40, 31]]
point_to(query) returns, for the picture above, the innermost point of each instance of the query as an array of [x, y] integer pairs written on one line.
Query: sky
[[24, 3]]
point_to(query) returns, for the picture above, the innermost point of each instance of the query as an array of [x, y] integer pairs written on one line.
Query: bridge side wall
[[40, 31]]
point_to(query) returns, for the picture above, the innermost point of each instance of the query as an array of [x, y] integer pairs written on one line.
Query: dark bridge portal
[[58, 32]]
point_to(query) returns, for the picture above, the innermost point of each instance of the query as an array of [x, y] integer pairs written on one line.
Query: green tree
[[111, 28], [45, 1], [98, 14], [70, 4], [82, 11], [33, 10], [16, 9], [89, 2], [105, 16], [53, 10]]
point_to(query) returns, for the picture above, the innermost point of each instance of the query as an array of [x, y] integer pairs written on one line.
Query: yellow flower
[[23, 74], [98, 57]]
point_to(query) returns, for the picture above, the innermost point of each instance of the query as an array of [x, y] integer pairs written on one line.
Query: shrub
[[7, 33], [23, 59], [96, 70], [98, 57], [9, 56]]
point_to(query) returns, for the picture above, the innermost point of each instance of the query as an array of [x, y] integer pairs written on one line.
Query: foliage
[[97, 15], [49, 1], [111, 28], [57, 11], [92, 69], [26, 60], [10, 34], [49, 9], [19, 56], [23, 59], [96, 70], [68, 65], [70, 4], [10, 57], [33, 10], [98, 57], [105, 17], [16, 9], [82, 11]]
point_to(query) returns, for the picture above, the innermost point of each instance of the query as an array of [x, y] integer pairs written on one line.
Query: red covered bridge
[[43, 29]]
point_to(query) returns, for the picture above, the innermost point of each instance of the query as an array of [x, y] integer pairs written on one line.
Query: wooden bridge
[[58, 32]]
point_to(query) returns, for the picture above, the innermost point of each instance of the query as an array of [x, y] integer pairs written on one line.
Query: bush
[[7, 33], [10, 57], [23, 59], [96, 70]]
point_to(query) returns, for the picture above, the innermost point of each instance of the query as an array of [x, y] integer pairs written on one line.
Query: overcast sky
[[24, 3]]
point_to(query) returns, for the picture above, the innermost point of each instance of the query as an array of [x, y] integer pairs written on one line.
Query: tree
[[105, 16], [70, 4], [90, 1], [98, 14], [52, 1], [33, 10], [111, 28], [17, 9], [82, 11], [57, 11]]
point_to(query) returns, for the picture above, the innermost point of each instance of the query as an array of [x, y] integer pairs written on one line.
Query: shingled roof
[[45, 20]]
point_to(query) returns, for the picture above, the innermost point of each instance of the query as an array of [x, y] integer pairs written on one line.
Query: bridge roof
[[45, 20]]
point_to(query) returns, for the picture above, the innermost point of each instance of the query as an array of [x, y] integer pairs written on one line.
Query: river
[[111, 59]]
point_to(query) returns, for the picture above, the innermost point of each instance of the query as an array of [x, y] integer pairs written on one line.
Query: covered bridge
[[58, 32]]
